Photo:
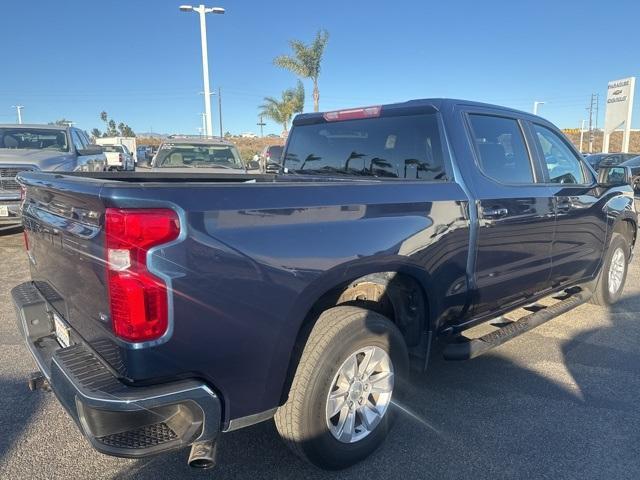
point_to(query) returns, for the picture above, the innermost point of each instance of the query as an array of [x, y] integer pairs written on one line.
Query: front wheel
[[611, 279], [339, 406]]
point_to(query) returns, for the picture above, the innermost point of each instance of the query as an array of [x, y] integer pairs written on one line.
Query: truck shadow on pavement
[[12, 427], [540, 406]]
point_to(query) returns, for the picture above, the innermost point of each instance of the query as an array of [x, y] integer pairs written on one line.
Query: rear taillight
[[120, 157], [138, 299], [353, 113], [26, 240]]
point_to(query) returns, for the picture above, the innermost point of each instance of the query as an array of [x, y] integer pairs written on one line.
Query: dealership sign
[[619, 108]]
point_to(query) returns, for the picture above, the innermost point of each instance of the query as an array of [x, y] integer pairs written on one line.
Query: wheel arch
[[399, 291], [628, 228]]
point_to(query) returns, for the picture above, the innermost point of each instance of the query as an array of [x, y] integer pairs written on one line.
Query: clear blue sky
[[140, 60]]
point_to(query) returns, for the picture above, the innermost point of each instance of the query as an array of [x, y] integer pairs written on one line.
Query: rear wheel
[[611, 279], [339, 406]]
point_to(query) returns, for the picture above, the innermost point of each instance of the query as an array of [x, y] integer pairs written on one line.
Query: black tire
[[601, 294], [301, 421]]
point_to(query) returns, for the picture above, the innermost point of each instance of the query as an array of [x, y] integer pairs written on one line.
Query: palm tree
[[281, 111], [305, 61]]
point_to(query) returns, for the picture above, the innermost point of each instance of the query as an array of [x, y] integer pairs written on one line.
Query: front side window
[[501, 148], [384, 147], [562, 164], [77, 141]]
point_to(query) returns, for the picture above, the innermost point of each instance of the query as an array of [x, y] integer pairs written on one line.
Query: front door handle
[[494, 212]]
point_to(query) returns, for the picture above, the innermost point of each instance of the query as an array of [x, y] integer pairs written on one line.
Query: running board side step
[[472, 348]]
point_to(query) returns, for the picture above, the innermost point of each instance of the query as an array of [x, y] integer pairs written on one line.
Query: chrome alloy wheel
[[360, 394], [616, 270]]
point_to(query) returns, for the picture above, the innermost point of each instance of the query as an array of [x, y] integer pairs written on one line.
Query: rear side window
[[501, 148], [393, 147], [562, 164]]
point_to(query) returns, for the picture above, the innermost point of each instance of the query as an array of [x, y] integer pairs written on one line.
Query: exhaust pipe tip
[[201, 463], [203, 455]]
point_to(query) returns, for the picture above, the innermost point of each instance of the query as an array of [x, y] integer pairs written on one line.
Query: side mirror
[[90, 150], [253, 165], [614, 176]]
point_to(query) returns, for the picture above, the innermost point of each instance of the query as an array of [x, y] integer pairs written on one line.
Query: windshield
[[34, 139], [393, 147], [113, 148], [196, 155]]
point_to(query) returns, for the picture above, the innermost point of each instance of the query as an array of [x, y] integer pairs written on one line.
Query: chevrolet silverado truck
[[166, 308], [40, 147]]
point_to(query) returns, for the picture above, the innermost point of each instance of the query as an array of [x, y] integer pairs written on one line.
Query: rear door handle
[[494, 212]]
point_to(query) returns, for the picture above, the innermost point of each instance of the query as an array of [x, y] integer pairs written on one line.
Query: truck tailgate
[[66, 250]]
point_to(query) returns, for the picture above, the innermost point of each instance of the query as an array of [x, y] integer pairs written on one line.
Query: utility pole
[[581, 134], [18, 111], [204, 124], [220, 109], [596, 117], [261, 124], [592, 105]]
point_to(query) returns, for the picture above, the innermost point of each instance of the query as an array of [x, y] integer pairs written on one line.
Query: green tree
[[306, 61], [112, 129], [281, 111], [95, 133]]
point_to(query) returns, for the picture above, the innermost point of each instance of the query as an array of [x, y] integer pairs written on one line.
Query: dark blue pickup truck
[[167, 308]]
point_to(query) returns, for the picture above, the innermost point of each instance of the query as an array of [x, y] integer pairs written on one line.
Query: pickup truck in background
[[202, 155], [118, 157], [129, 142], [165, 308], [26, 147]]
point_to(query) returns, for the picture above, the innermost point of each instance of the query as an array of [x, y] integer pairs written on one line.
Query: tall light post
[[202, 11], [18, 111], [581, 134], [535, 107]]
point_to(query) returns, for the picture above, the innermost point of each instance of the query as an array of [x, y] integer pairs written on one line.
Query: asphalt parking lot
[[559, 402]]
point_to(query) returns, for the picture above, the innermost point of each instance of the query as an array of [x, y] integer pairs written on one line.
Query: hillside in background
[[248, 147], [615, 143]]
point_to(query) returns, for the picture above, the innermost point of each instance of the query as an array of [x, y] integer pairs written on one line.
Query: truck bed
[[254, 253]]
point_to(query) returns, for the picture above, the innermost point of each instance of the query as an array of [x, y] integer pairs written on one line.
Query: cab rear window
[[407, 147]]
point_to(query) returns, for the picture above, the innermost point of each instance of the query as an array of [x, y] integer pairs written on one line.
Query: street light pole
[[535, 107], [581, 134], [19, 111], [202, 11]]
